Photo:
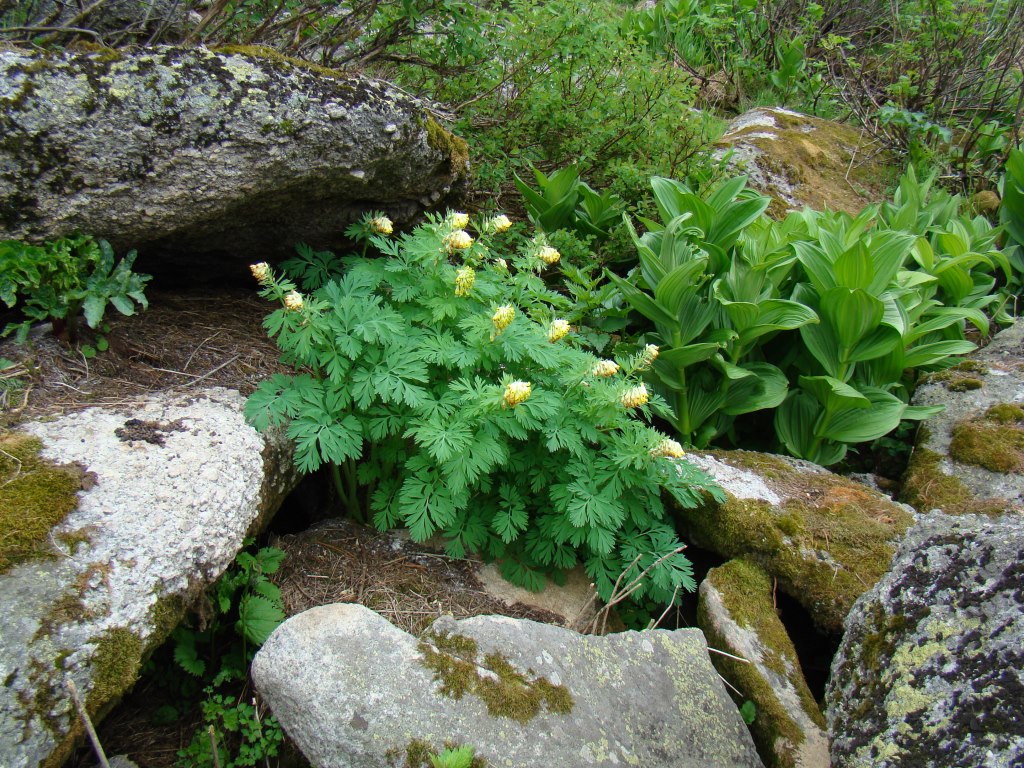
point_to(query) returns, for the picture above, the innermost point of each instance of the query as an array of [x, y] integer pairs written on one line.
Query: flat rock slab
[[219, 158], [352, 690], [970, 458], [931, 669], [180, 481]]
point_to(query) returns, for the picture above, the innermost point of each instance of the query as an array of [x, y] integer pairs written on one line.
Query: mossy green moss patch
[[418, 752], [269, 54], [449, 144], [927, 487], [35, 495], [746, 592], [962, 377], [506, 692], [115, 668], [819, 513], [994, 442]]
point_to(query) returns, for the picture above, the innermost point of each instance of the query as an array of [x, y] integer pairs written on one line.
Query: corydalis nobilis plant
[[447, 396]]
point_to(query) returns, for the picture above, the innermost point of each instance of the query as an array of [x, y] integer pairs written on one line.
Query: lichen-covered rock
[[203, 154], [351, 689], [802, 161], [824, 538], [177, 483], [931, 669], [970, 458], [736, 613]]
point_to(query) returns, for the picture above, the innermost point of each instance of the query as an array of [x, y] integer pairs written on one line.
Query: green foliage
[[567, 202], [246, 607], [1011, 214], [448, 395], [58, 280], [459, 757], [873, 300], [748, 712]]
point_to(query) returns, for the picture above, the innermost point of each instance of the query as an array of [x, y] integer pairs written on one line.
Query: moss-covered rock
[[825, 539], [970, 457], [205, 153], [801, 161], [737, 615]]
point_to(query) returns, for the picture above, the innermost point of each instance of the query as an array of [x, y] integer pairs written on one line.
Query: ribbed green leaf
[[935, 352], [833, 394], [765, 388], [851, 313], [863, 424]]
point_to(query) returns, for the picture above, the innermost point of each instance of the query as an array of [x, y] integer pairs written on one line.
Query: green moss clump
[[1005, 413], [115, 666], [455, 148], [965, 384], [35, 495], [418, 753], [506, 692], [996, 447], [746, 592], [927, 487]]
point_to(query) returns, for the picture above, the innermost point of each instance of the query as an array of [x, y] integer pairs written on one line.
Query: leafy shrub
[[1011, 214], [874, 298], [447, 395], [567, 202], [218, 664], [58, 280]]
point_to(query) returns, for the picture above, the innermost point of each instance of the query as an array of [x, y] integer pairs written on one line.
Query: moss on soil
[[746, 592], [925, 486], [35, 495], [959, 378], [855, 526], [507, 692]]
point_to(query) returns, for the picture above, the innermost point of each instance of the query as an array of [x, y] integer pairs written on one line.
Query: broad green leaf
[[876, 344], [258, 617], [682, 357], [851, 313], [834, 395], [795, 422], [644, 304], [765, 388], [853, 268], [935, 352], [889, 252], [823, 345], [863, 424]]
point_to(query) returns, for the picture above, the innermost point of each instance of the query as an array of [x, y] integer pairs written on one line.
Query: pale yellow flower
[[293, 301], [516, 393], [648, 356], [549, 255], [606, 368], [458, 240], [557, 330], [459, 220], [382, 225], [261, 272], [501, 223], [635, 397], [464, 279], [669, 449], [503, 317], [501, 264]]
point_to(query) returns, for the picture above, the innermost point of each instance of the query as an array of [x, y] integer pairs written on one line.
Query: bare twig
[[97, 747]]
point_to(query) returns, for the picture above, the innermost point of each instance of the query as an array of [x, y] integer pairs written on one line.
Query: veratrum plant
[[58, 280], [713, 301], [567, 202], [448, 396]]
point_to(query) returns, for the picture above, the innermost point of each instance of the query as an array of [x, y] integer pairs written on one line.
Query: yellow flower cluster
[[459, 220], [635, 397], [648, 356], [464, 279], [549, 255], [293, 301], [669, 449], [557, 330], [382, 225], [501, 224], [501, 264], [503, 317], [261, 272], [516, 393], [606, 368], [458, 240]]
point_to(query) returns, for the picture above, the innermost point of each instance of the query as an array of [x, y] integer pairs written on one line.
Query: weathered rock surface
[[198, 153], [931, 669], [824, 538], [805, 161], [970, 458], [175, 493], [351, 689], [736, 613]]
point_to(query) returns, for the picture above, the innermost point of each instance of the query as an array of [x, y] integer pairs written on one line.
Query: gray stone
[[165, 518], [737, 615], [803, 161], [209, 155], [943, 472], [351, 689], [824, 538], [931, 669]]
